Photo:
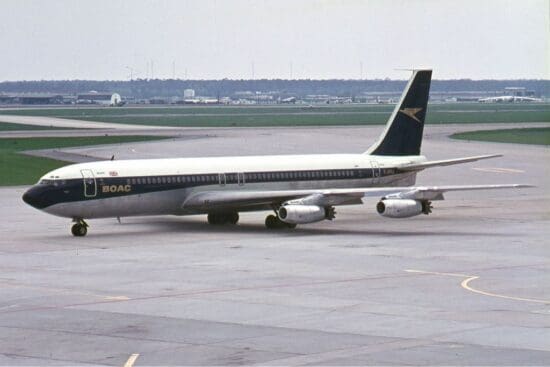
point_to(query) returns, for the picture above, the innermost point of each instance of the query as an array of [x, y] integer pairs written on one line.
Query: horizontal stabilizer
[[446, 162]]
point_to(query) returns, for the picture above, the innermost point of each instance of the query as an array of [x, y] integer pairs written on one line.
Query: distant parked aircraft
[[508, 99]]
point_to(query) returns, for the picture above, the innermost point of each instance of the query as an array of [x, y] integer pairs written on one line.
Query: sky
[[241, 39]]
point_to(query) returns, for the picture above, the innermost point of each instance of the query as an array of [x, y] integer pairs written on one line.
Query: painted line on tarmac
[[62, 291], [498, 170], [130, 362], [466, 285]]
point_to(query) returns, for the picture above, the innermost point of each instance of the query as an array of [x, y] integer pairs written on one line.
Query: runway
[[467, 285]]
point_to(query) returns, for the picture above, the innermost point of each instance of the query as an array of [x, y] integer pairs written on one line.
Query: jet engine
[[300, 214], [403, 208]]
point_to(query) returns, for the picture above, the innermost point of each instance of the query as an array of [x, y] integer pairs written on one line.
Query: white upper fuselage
[[161, 186], [216, 165]]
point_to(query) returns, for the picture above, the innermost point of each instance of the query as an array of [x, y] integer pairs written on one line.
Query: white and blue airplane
[[299, 189]]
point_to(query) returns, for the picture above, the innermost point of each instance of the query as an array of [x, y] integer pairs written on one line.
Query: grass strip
[[299, 115], [8, 126], [536, 136], [19, 169]]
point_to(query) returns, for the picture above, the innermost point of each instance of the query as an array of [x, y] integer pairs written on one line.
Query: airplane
[[508, 99], [299, 189]]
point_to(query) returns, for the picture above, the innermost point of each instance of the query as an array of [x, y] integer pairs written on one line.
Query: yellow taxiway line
[[466, 285], [130, 362]]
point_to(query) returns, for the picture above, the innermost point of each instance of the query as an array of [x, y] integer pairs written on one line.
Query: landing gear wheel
[[271, 221], [233, 218], [223, 218], [215, 219], [79, 230]]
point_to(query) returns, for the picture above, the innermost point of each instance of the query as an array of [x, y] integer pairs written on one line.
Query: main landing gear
[[273, 222], [79, 228], [223, 218]]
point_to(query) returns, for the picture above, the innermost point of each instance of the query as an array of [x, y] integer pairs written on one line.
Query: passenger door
[[221, 179], [90, 185], [375, 172], [240, 178]]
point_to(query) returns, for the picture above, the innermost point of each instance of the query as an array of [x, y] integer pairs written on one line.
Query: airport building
[[189, 93], [31, 98]]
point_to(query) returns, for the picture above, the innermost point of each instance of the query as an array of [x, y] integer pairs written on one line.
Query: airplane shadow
[[180, 225]]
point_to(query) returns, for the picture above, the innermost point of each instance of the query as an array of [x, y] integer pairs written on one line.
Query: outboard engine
[[403, 208]]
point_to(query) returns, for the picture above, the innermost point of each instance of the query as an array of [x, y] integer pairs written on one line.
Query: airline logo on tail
[[411, 112]]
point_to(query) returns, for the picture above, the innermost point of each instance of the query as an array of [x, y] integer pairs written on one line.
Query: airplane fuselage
[[161, 186]]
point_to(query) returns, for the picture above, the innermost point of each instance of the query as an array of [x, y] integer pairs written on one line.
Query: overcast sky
[[70, 39]]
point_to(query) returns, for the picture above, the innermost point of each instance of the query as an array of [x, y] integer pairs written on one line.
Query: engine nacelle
[[300, 214], [402, 208]]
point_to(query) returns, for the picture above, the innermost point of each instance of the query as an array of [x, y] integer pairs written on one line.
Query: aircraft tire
[[233, 218], [271, 221], [214, 219], [79, 230], [219, 218]]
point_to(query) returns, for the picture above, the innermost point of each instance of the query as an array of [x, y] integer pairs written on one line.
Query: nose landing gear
[[79, 228]]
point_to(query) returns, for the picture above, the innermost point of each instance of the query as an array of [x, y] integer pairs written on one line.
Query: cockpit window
[[46, 182]]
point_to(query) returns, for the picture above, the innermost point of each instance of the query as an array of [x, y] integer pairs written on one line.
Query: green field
[[6, 126], [19, 169], [221, 116], [537, 136]]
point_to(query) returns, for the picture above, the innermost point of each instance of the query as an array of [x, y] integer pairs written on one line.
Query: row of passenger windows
[[242, 177]]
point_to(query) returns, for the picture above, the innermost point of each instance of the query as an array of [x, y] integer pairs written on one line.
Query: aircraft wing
[[241, 199]]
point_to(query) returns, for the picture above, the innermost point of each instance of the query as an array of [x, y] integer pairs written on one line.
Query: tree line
[[148, 88]]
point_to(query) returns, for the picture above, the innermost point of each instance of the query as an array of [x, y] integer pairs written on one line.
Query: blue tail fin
[[403, 133]]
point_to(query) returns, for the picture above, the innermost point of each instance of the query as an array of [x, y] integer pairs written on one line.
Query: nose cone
[[35, 198]]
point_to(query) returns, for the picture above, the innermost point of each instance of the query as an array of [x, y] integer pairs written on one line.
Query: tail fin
[[403, 133]]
